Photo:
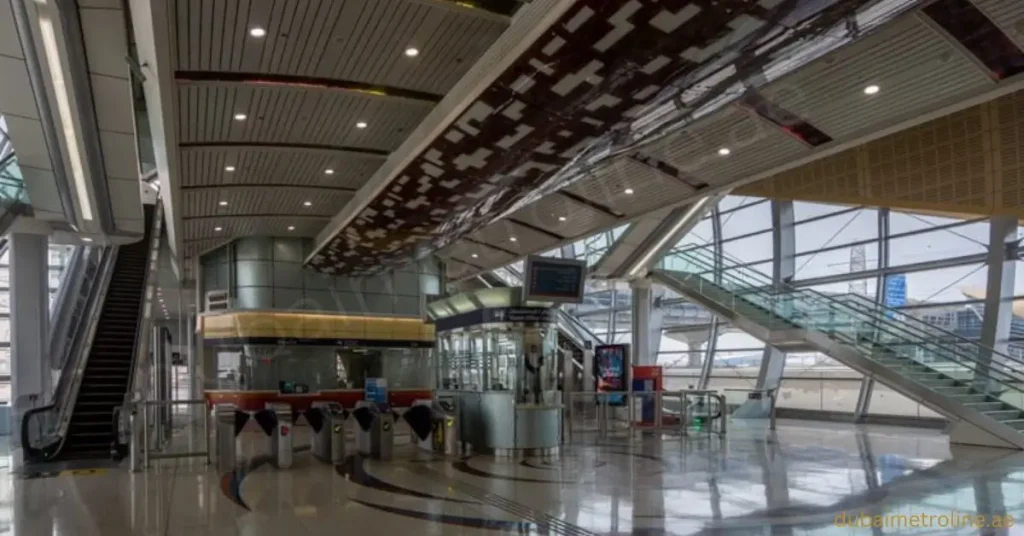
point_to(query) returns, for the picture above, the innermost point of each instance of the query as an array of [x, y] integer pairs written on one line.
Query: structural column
[[867, 383], [995, 326], [773, 360], [30, 308], [642, 304]]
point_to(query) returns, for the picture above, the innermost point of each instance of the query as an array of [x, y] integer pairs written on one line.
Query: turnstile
[[328, 422], [227, 423], [281, 434], [375, 435], [439, 431]]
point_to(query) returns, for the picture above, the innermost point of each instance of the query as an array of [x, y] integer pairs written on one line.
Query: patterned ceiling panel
[[601, 62], [243, 200], [359, 40], [578, 218], [205, 166], [294, 115], [476, 254]]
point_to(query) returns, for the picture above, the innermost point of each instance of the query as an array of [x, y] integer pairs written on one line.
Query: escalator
[[106, 374], [983, 399]]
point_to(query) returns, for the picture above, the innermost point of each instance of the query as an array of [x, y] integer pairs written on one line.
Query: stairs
[[92, 432], [984, 401]]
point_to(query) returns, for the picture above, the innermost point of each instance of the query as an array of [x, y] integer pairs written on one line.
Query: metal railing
[[138, 386], [738, 397], [601, 415], [143, 448]]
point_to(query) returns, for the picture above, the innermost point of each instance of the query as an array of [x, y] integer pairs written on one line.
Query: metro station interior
[[586, 267]]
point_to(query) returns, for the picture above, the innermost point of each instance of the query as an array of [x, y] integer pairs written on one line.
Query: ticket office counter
[[503, 369]]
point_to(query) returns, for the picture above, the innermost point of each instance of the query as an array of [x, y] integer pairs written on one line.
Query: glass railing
[[875, 332]]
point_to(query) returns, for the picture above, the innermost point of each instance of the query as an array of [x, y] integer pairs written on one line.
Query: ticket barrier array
[[327, 419], [703, 411], [435, 425], [375, 432]]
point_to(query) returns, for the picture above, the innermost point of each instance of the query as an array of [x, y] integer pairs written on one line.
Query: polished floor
[[794, 481]]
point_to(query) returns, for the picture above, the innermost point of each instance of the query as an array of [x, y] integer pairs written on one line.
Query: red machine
[[647, 379]]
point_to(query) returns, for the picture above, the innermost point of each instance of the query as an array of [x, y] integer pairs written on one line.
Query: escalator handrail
[[786, 287], [81, 345], [142, 328]]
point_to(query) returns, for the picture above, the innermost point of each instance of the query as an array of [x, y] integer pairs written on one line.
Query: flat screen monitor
[[554, 280], [612, 361]]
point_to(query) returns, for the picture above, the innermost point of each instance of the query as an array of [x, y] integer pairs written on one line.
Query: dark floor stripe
[[523, 527], [354, 468], [464, 467]]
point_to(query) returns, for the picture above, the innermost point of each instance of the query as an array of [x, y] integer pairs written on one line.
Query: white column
[[995, 326], [29, 295], [641, 316], [773, 360]]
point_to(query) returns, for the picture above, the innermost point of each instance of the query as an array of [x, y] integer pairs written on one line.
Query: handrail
[[888, 327], [142, 329], [791, 287], [80, 268], [81, 345]]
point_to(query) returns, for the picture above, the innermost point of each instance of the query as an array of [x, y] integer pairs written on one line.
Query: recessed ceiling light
[[412, 52], [871, 90], [475, 255], [229, 168], [628, 191], [328, 172], [86, 239], [257, 32], [724, 151], [514, 239], [291, 227], [307, 204], [240, 117], [223, 203], [562, 218], [218, 229], [361, 124]]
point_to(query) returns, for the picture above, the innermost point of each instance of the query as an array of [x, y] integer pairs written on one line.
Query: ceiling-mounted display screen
[[554, 280]]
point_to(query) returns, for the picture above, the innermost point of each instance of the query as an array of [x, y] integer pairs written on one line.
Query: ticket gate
[[375, 435], [228, 423], [277, 422], [327, 419], [435, 424]]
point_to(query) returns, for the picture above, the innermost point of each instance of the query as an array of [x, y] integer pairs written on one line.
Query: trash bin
[[329, 442], [281, 436]]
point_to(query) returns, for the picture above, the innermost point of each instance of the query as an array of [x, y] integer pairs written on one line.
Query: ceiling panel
[[263, 200], [546, 212], [234, 226], [485, 256], [353, 40], [501, 233], [651, 189], [295, 115], [914, 65], [754, 145], [1007, 14], [206, 166], [103, 30]]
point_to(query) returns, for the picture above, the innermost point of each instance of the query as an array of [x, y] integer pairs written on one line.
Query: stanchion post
[[145, 434]]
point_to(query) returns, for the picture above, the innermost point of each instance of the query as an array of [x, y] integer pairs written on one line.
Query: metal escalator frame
[[137, 375], [80, 268], [73, 370], [856, 359], [867, 303]]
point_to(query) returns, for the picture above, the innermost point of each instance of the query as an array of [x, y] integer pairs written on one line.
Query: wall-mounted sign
[[377, 390], [557, 280], [512, 315]]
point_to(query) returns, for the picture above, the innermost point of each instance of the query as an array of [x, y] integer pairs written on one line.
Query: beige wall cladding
[[969, 162]]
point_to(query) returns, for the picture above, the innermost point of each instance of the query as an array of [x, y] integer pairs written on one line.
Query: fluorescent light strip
[[64, 109]]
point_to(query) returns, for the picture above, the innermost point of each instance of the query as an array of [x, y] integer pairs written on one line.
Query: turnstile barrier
[[375, 435], [228, 423], [435, 425], [327, 419], [281, 432]]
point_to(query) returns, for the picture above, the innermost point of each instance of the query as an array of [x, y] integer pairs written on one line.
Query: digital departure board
[[554, 280]]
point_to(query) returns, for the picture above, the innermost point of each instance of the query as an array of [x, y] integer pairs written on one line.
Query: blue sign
[[377, 390], [895, 292]]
